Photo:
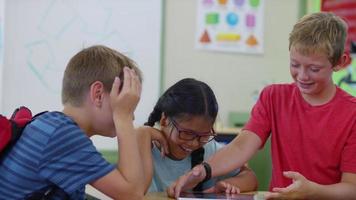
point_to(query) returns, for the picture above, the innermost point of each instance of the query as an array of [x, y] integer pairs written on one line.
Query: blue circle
[[232, 19]]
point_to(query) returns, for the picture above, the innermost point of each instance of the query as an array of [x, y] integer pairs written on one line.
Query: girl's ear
[[96, 93], [164, 121], [344, 61]]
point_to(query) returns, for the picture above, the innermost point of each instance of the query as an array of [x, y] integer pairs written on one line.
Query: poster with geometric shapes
[[230, 25]]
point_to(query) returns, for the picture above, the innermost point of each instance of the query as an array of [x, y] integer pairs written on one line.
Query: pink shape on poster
[[250, 20]]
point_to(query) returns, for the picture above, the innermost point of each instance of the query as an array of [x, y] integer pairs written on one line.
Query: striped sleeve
[[71, 161]]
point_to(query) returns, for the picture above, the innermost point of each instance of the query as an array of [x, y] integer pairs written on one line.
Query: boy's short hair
[[322, 32], [96, 63]]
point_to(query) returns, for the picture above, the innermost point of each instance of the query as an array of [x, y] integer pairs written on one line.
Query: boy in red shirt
[[312, 122]]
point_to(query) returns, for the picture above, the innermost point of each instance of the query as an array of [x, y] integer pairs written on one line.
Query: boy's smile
[[312, 74]]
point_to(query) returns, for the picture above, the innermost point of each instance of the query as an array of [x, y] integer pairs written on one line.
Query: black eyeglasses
[[189, 135]]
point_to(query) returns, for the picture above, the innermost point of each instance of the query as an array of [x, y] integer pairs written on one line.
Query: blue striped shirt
[[52, 149]]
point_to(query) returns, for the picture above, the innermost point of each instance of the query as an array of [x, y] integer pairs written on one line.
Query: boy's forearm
[[129, 162], [241, 149], [145, 144], [341, 190]]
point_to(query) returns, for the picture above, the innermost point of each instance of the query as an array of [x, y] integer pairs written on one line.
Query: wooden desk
[[151, 196], [162, 196], [157, 196]]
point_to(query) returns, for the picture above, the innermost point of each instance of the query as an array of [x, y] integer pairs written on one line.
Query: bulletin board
[[230, 26], [42, 35], [346, 79], [345, 9]]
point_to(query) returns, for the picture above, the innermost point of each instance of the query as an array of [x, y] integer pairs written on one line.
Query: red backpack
[[11, 129]]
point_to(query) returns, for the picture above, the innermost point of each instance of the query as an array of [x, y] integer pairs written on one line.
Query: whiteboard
[[42, 35]]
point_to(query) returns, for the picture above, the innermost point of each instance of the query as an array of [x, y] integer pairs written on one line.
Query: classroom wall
[[2, 16], [42, 35], [236, 78]]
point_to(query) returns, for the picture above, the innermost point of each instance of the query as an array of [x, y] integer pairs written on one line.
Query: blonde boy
[[312, 122]]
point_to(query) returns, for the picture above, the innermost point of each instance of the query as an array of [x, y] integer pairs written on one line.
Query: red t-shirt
[[317, 141]]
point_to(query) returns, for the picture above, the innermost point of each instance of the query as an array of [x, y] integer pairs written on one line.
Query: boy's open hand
[[186, 181], [223, 187], [299, 189], [124, 102]]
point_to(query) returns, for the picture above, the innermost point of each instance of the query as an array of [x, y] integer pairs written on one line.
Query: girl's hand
[[124, 102], [223, 187], [157, 138], [187, 181], [301, 188]]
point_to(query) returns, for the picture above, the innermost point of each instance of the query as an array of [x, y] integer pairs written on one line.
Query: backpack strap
[[38, 114], [197, 157]]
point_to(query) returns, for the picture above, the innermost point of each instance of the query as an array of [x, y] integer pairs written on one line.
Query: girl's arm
[[145, 136], [235, 154]]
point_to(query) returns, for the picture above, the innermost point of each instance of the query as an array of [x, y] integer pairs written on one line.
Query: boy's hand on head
[[124, 102], [186, 181], [301, 188], [223, 187]]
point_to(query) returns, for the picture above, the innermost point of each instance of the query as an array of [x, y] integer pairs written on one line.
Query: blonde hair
[[96, 63], [321, 32]]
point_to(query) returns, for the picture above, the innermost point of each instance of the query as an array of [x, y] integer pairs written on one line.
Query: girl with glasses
[[184, 115]]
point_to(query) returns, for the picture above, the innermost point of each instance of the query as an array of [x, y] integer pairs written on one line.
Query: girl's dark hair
[[185, 98], [188, 97]]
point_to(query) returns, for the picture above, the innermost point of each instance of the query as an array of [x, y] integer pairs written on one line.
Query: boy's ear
[[164, 121], [96, 93], [344, 61]]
